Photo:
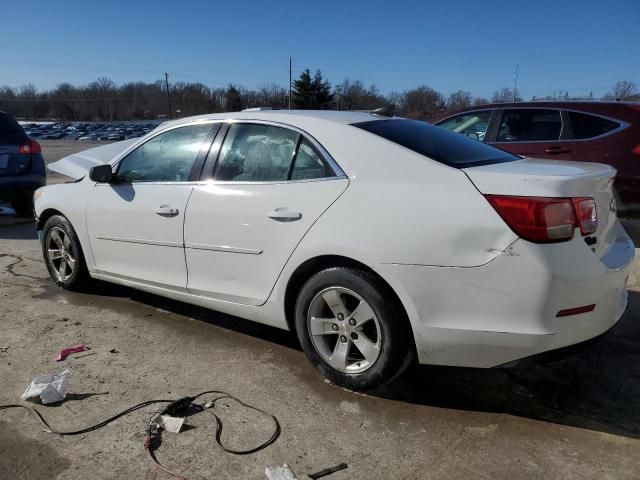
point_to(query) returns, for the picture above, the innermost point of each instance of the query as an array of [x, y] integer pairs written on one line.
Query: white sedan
[[379, 240]]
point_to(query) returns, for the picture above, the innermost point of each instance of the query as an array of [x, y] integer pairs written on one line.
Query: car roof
[[291, 117]]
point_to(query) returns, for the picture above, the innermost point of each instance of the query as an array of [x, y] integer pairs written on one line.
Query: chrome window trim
[[326, 156]]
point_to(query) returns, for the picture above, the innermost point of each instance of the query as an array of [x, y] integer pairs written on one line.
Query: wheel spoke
[[322, 326], [66, 241], [368, 349], [57, 238], [362, 314], [62, 270], [71, 262], [338, 358], [335, 303], [54, 254]]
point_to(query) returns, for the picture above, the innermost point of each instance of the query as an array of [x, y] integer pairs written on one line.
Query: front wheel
[[352, 329], [63, 254]]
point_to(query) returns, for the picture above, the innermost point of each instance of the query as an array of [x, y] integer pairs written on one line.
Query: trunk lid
[[548, 178]]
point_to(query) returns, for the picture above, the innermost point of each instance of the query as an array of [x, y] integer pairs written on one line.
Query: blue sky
[[574, 45]]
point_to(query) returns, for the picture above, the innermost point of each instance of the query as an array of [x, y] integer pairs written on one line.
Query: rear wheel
[[63, 254], [351, 329]]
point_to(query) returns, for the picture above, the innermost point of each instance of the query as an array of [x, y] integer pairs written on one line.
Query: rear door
[[534, 132], [135, 224], [269, 185]]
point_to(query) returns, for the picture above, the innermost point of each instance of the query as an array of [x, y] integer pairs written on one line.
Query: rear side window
[[440, 144], [8, 126], [589, 126], [530, 125], [256, 153], [308, 164]]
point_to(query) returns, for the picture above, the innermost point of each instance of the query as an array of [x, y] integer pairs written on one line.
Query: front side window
[[530, 125], [472, 124], [168, 157], [256, 153], [589, 126]]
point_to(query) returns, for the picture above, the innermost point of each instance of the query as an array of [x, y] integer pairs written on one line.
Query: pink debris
[[65, 352]]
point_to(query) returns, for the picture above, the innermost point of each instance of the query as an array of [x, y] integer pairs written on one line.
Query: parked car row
[[601, 132], [111, 131]]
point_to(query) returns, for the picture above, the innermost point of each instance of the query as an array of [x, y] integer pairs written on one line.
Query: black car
[[22, 168]]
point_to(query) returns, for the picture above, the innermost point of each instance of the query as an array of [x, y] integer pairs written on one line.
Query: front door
[[270, 185], [135, 223]]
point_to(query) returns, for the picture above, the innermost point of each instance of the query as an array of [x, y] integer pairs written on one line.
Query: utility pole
[[166, 81], [289, 83], [515, 83]]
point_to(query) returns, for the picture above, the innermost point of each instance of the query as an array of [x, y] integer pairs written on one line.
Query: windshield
[[437, 143]]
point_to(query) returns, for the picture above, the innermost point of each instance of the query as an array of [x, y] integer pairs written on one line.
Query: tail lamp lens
[[546, 220], [31, 146]]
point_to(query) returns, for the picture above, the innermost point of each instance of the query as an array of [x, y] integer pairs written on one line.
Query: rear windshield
[[437, 143], [8, 126]]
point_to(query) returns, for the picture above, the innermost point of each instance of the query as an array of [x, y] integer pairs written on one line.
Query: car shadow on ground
[[596, 388]]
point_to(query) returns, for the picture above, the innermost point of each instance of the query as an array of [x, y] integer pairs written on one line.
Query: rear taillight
[[546, 220], [586, 214], [31, 146], [636, 150]]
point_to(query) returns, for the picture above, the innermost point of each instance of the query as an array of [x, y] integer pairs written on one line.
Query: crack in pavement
[[18, 260]]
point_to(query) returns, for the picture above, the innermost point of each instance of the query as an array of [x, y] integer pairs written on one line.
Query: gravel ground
[[575, 418]]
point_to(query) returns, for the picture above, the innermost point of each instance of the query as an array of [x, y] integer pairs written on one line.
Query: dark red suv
[[605, 132]]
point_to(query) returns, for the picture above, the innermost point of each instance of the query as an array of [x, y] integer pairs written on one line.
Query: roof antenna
[[383, 111]]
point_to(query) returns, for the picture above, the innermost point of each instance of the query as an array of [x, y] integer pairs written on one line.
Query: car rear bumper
[[507, 309]]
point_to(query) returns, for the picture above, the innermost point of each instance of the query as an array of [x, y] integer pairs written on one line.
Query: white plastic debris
[[172, 424], [280, 473], [50, 388]]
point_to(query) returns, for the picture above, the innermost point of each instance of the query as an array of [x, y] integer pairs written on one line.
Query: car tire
[[363, 340], [63, 254], [22, 203]]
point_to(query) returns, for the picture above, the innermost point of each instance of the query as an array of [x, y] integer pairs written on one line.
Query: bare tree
[[459, 99], [623, 90], [505, 95], [422, 102]]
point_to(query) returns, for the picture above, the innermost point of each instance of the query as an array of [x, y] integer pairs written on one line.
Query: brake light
[[544, 219], [587, 215], [636, 150], [31, 146]]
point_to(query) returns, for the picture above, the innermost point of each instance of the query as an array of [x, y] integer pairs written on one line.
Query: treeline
[[104, 100]]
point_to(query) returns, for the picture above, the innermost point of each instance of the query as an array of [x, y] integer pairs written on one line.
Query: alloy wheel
[[344, 329], [60, 254]]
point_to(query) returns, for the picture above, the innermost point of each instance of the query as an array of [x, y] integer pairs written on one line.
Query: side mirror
[[101, 174]]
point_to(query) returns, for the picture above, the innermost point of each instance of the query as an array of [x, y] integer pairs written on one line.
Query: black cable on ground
[[181, 407]]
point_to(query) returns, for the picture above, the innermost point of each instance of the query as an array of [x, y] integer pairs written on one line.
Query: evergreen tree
[[312, 94], [232, 99]]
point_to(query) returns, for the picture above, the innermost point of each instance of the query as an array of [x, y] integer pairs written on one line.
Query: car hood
[[78, 165]]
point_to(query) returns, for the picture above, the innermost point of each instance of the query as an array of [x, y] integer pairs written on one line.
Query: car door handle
[[284, 215], [166, 211], [556, 150]]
